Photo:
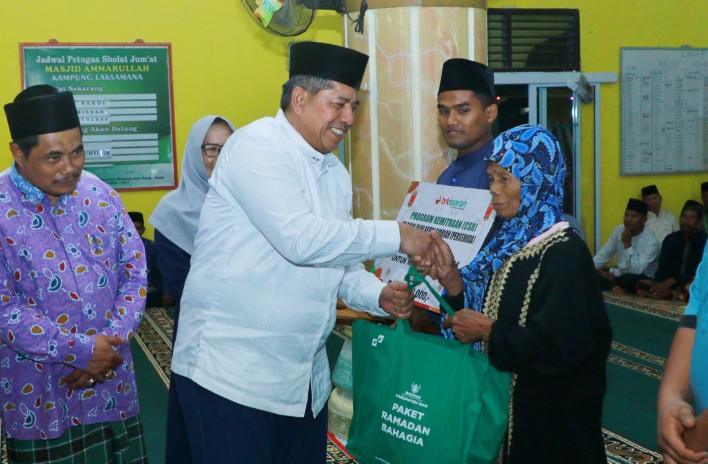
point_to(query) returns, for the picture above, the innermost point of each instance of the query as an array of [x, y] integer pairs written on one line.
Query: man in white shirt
[[660, 221], [636, 248], [275, 248]]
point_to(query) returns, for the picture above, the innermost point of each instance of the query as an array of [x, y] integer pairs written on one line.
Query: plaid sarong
[[118, 442]]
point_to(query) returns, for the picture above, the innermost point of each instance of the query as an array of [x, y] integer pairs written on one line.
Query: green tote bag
[[420, 398]]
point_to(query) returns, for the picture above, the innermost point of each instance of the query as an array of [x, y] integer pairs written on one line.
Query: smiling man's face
[[327, 116]]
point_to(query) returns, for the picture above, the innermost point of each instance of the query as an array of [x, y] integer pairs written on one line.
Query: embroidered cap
[[328, 61], [41, 109], [462, 74]]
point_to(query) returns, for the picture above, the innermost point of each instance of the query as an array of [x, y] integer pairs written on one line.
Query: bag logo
[[415, 387], [377, 340]]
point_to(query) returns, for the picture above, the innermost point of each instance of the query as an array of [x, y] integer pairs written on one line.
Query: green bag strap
[[413, 279]]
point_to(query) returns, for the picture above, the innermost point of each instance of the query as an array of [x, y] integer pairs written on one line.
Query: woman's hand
[[469, 326], [445, 269]]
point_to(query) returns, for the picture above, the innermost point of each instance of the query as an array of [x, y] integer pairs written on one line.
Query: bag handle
[[413, 279]]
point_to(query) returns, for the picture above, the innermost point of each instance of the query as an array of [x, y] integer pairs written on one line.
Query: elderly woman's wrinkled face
[[214, 140], [505, 190]]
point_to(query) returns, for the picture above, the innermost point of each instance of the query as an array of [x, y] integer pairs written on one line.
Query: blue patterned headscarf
[[532, 155]]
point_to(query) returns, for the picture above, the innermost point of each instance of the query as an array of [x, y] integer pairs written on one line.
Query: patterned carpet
[[670, 309], [155, 335], [155, 338]]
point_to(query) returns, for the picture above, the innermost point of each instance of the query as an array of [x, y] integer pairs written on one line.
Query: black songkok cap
[[41, 109], [328, 61], [638, 206], [136, 216], [650, 190], [704, 187], [461, 74]]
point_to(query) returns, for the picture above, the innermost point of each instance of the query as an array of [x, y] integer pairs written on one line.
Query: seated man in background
[[154, 296], [660, 221], [636, 248], [679, 257]]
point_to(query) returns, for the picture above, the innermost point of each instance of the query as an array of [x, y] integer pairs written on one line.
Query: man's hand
[[397, 300], [469, 326], [672, 423], [418, 245], [79, 379], [104, 359], [663, 290], [626, 238], [605, 274]]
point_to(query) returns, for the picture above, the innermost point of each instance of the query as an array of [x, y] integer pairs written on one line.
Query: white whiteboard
[[664, 95]]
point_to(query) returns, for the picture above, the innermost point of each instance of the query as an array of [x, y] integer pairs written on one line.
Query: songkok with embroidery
[[638, 206], [650, 190], [462, 74], [328, 61], [41, 109]]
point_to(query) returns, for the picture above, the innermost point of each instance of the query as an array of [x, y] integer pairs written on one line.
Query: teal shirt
[[698, 307]]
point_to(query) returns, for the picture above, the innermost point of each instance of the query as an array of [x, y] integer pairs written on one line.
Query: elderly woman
[[176, 216], [535, 304]]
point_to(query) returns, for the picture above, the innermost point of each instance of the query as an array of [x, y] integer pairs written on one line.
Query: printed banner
[[123, 94], [462, 216]]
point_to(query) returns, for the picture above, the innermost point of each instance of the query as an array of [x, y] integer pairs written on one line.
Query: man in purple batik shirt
[[72, 295]]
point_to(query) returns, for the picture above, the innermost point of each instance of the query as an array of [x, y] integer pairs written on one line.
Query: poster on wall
[[123, 94], [462, 216]]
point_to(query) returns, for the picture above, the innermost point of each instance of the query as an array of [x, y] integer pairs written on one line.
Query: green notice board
[[123, 94]]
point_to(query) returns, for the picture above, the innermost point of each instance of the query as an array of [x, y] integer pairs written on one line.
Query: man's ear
[[17, 154], [491, 112], [298, 100]]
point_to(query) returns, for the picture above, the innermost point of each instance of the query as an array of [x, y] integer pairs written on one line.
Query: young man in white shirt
[[636, 248], [660, 221]]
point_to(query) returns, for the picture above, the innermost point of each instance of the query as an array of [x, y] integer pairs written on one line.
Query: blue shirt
[[469, 170], [698, 307]]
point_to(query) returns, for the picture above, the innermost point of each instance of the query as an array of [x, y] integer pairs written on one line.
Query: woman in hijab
[[534, 303], [176, 216]]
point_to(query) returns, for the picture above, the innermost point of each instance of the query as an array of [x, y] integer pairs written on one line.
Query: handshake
[[431, 256]]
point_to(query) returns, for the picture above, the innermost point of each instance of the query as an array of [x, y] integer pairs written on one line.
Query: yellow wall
[[605, 27], [222, 62]]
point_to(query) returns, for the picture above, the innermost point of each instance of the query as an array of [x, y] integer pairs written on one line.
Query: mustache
[[68, 179]]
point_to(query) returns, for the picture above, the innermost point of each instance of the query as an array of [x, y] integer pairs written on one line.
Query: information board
[[664, 94], [123, 93], [462, 216]]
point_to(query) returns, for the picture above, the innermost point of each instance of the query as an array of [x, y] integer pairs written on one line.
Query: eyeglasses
[[212, 150]]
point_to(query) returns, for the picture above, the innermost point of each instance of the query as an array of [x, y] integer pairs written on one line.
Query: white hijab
[[176, 216]]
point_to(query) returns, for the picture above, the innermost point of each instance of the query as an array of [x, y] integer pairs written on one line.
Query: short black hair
[[26, 144], [312, 84], [693, 205]]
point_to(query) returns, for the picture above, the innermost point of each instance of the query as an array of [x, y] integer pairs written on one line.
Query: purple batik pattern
[[71, 271]]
